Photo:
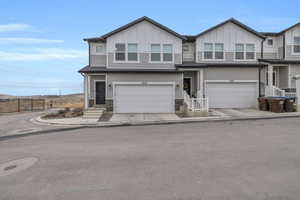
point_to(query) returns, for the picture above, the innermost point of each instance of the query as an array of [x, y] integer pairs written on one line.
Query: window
[[208, 50], [167, 53], [244, 51], [296, 44], [219, 51], [132, 54], [99, 48], [270, 42], [120, 52], [250, 51], [274, 78], [155, 52], [239, 51]]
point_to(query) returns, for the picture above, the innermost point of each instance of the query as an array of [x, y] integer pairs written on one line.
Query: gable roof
[[269, 33], [144, 18], [236, 22], [289, 28]]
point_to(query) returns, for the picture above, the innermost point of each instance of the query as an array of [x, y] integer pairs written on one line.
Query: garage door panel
[[144, 99], [232, 95]]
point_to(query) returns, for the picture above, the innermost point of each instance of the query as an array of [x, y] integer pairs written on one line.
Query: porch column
[[270, 81], [200, 83], [85, 91]]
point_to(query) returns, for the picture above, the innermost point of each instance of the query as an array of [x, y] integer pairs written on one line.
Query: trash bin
[[276, 104], [289, 105], [263, 103]]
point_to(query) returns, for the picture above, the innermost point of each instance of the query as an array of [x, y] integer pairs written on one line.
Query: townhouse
[[145, 67]]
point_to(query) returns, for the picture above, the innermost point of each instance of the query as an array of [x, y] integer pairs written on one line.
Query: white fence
[[196, 104]]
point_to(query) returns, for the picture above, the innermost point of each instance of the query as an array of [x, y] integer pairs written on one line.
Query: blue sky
[[41, 47]]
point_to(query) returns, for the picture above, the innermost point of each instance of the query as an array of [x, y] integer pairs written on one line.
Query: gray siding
[[145, 77], [289, 53], [283, 77], [92, 79], [228, 73], [270, 55], [188, 52], [295, 70], [143, 62], [280, 53], [98, 60]]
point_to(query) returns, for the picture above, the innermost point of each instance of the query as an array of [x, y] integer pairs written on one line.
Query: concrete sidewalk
[[145, 119]]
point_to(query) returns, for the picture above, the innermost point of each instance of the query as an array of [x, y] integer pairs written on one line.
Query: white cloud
[[28, 40], [40, 54], [13, 27]]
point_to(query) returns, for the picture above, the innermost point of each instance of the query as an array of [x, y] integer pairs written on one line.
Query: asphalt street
[[257, 160]]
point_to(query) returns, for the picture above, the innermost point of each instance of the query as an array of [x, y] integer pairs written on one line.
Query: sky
[[41, 46]]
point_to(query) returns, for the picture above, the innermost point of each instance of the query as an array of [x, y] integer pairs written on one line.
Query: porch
[[276, 80]]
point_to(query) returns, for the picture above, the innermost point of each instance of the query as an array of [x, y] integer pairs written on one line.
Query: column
[[270, 81], [297, 77], [85, 91]]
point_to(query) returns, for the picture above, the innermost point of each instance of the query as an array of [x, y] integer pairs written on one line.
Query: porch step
[[93, 113]]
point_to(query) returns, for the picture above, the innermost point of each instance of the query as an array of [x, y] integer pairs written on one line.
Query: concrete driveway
[[143, 117], [246, 112], [244, 160]]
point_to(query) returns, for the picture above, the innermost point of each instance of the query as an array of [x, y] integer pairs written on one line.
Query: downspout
[[259, 81], [89, 53], [283, 47], [260, 67]]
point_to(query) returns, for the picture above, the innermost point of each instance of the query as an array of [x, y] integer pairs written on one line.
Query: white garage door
[[232, 95], [144, 99]]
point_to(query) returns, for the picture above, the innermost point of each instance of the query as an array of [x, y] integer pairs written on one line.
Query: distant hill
[[6, 96]]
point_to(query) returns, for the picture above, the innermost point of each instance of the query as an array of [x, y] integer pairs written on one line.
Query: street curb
[[146, 123]]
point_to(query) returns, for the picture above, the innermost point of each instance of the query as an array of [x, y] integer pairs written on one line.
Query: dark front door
[[187, 85], [100, 92]]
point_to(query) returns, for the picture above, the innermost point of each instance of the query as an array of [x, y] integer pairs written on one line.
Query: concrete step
[[93, 113]]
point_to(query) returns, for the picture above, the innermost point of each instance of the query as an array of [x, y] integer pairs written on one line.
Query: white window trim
[[95, 49], [161, 54], [276, 78], [214, 51], [272, 42], [293, 44], [245, 51], [126, 53]]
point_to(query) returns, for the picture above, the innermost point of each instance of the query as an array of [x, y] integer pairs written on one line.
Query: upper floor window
[[250, 52], [208, 50], [219, 51], [167, 53], [129, 53], [213, 51], [155, 52], [161, 53], [239, 51], [132, 53], [120, 52], [270, 42], [244, 51], [296, 44], [100, 49]]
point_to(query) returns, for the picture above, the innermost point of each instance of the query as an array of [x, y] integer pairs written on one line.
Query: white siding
[[229, 34], [271, 49], [144, 33], [290, 34]]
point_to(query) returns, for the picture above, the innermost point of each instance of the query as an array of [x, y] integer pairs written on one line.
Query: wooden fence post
[[19, 109]]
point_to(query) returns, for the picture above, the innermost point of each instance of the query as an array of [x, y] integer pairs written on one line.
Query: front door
[[187, 85], [100, 92]]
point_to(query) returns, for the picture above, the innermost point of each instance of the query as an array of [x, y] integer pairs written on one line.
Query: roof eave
[[236, 22]]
